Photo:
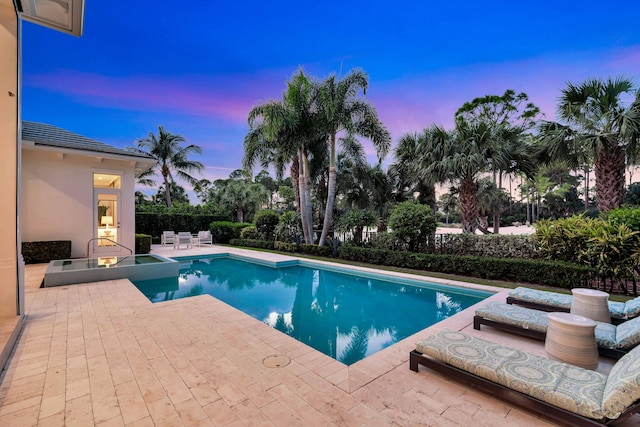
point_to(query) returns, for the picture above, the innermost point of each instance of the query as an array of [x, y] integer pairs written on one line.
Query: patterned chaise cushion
[[618, 310], [552, 299], [563, 385], [632, 308], [514, 315], [538, 321], [623, 385], [628, 334]]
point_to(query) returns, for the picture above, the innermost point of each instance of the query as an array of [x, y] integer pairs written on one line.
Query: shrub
[[284, 247], [40, 252], [355, 221], [249, 232], [288, 227], [266, 222], [314, 250], [563, 239], [384, 240], [611, 248], [143, 243], [550, 273], [628, 215], [489, 245], [413, 224], [223, 231]]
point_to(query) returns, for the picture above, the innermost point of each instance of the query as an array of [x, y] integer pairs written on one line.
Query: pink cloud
[[227, 100]]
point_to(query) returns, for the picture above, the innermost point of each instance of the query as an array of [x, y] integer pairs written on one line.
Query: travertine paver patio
[[102, 354]]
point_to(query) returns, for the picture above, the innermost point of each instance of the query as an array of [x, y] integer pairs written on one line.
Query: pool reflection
[[344, 316]]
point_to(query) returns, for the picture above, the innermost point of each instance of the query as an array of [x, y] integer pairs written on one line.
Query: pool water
[[342, 315]]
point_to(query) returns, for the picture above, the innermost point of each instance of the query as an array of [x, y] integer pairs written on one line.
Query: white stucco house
[[78, 189], [66, 16]]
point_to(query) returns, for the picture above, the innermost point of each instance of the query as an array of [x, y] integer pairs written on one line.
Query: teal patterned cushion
[[514, 315], [617, 309], [537, 320], [623, 384], [563, 385], [552, 299], [632, 308], [606, 335], [628, 334]]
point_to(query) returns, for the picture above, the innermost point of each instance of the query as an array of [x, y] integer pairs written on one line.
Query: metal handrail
[[106, 238]]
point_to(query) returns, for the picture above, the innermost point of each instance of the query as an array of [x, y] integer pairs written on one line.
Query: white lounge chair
[[167, 238], [205, 238], [183, 237]]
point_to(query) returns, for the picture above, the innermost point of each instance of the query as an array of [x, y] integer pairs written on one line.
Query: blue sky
[[199, 70]]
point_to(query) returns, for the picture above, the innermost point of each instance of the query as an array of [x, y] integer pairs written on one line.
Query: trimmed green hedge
[[550, 273], [143, 243], [154, 224], [41, 252], [285, 247], [224, 231], [282, 246], [253, 243]]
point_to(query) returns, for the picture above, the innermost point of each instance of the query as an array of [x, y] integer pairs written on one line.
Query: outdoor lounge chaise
[[205, 238], [167, 238], [553, 301], [613, 341], [568, 394]]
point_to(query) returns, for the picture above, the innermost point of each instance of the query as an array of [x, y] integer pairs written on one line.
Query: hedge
[[143, 243], [224, 231], [41, 252], [154, 224], [324, 251], [253, 243], [549, 273]]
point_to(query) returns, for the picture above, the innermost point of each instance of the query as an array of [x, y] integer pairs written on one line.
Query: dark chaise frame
[[536, 306], [509, 395], [613, 353]]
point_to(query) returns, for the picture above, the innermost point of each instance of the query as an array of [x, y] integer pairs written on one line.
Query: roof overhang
[[62, 15], [140, 164]]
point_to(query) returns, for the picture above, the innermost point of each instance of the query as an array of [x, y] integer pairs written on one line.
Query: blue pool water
[[345, 316]]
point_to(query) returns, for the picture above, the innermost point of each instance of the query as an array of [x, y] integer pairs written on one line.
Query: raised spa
[[133, 267]]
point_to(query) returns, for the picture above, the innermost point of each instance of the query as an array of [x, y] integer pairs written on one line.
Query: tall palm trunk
[[468, 205], [610, 180], [305, 197], [586, 187], [331, 192], [498, 207], [308, 206], [302, 194], [295, 180], [167, 192]]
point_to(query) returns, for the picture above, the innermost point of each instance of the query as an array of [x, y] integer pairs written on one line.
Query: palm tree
[[599, 126], [287, 130], [406, 171], [170, 157], [176, 192], [461, 155], [342, 110]]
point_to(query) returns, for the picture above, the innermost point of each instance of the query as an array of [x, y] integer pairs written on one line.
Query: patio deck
[[102, 354]]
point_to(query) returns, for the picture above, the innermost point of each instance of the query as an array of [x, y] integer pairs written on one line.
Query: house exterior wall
[[58, 199], [11, 267]]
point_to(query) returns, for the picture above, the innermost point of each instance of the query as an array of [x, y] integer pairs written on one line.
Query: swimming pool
[[345, 314]]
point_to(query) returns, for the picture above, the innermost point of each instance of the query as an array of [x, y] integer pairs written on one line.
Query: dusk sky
[[198, 67]]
